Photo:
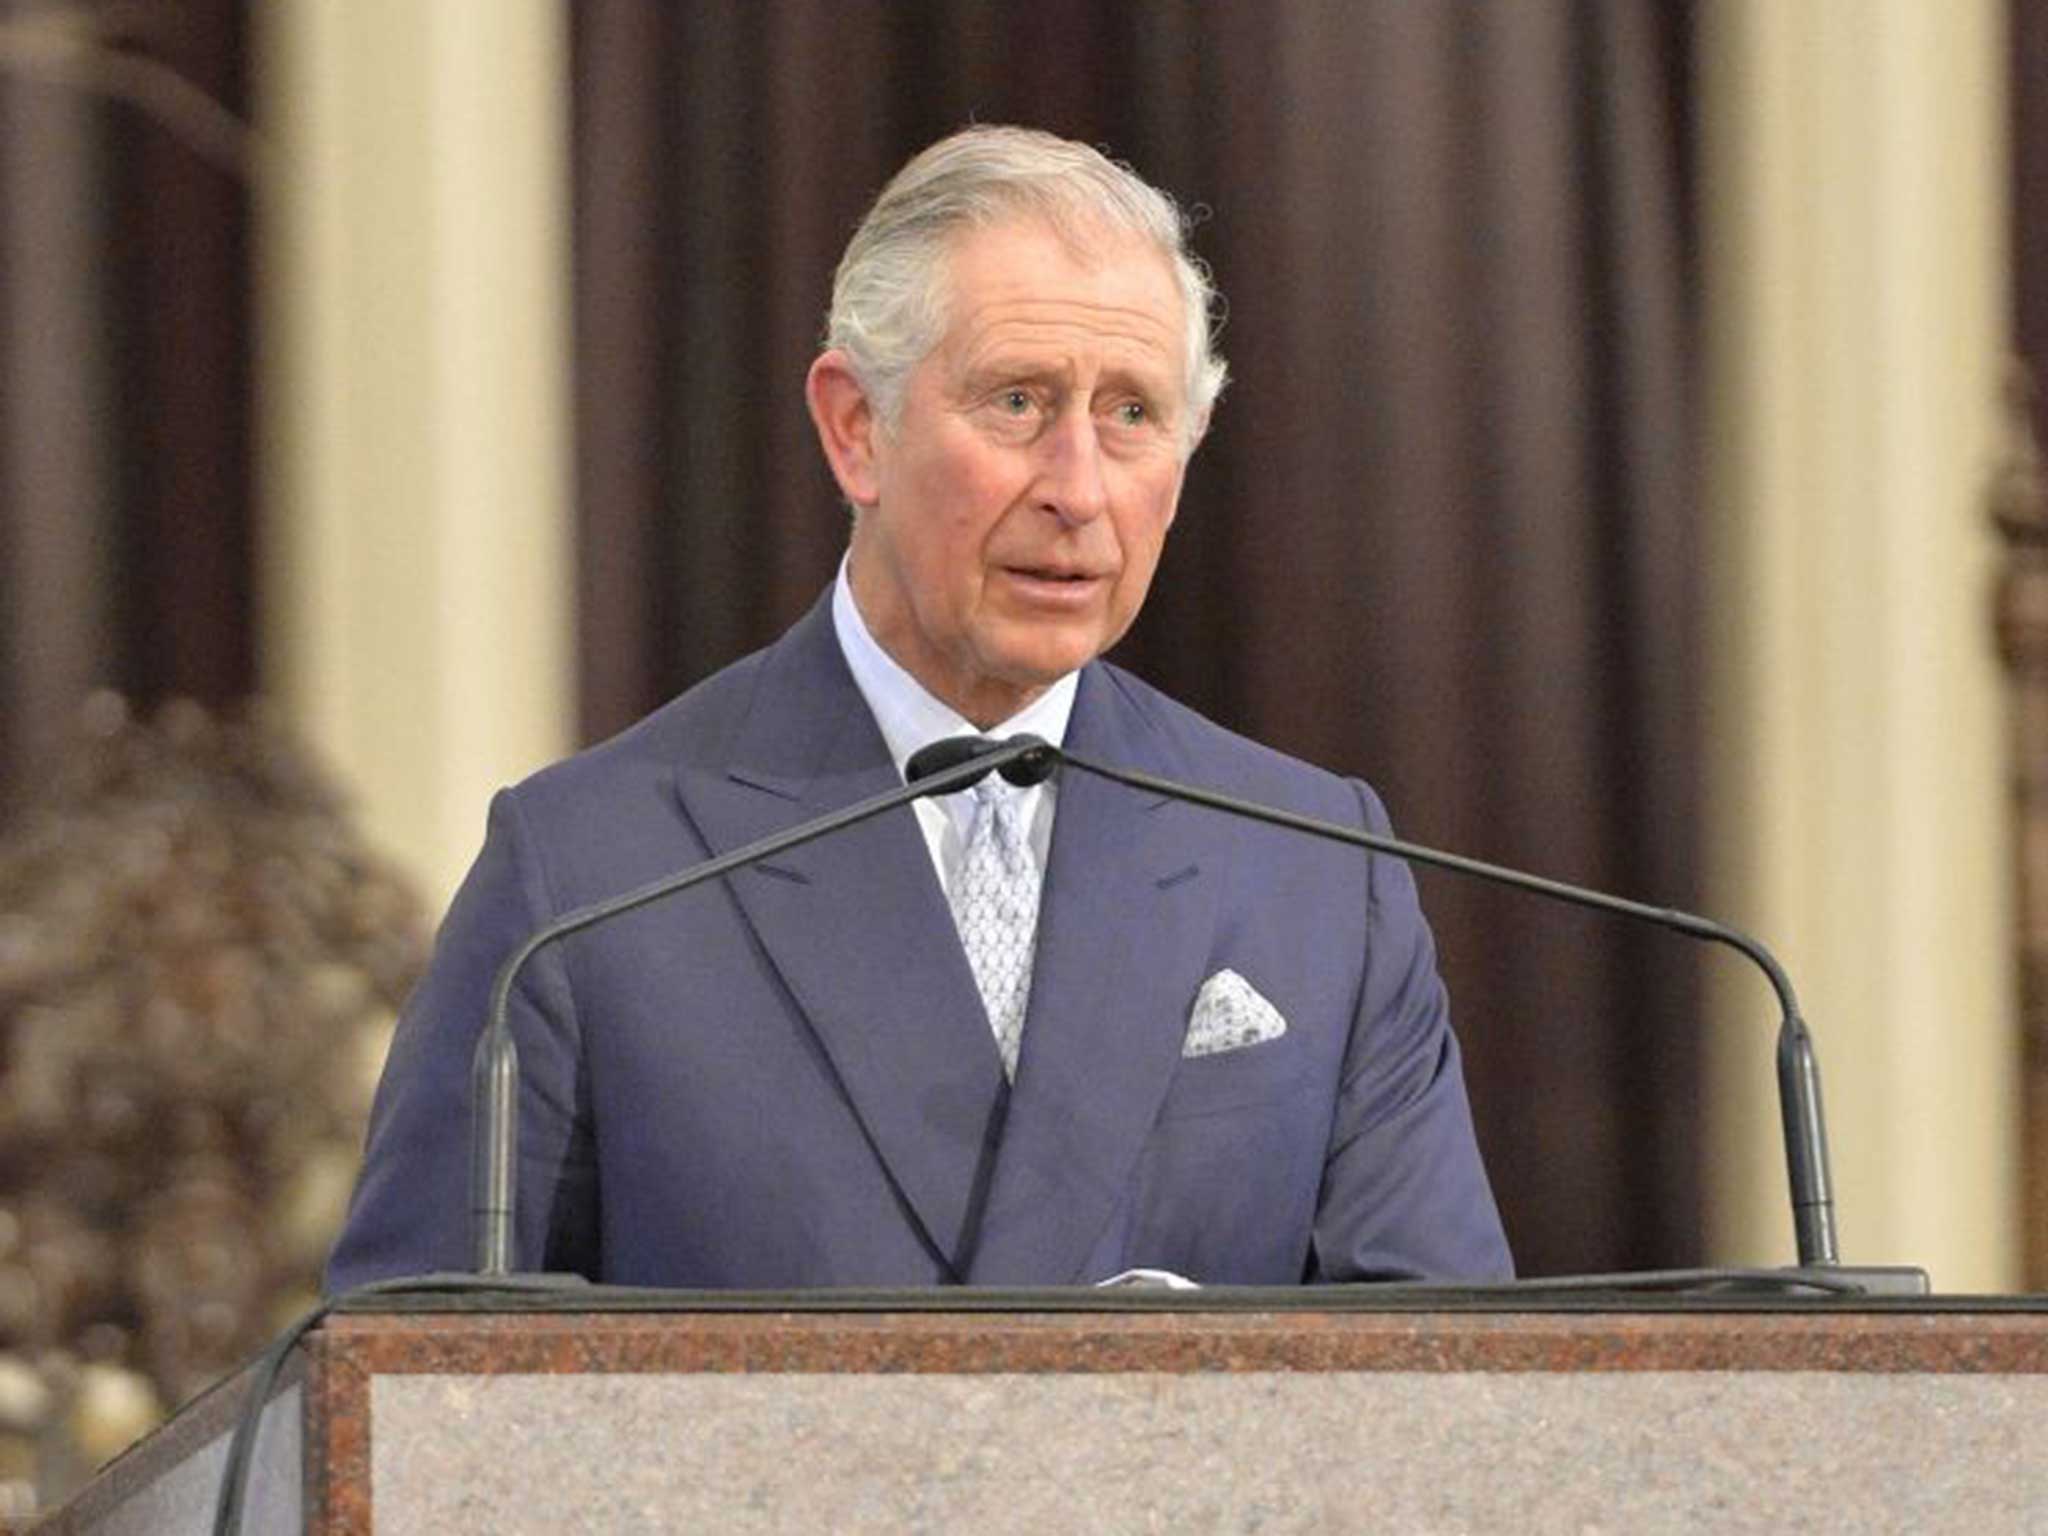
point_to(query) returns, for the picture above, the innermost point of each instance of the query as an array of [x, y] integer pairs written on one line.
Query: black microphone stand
[[495, 1073], [1806, 1148]]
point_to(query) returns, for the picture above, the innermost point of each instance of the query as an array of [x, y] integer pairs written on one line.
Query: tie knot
[[998, 816]]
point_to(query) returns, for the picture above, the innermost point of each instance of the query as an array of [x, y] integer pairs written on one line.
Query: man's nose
[[1071, 483]]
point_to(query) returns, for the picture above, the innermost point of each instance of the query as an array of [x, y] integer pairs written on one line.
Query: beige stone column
[[417, 555], [1853, 186]]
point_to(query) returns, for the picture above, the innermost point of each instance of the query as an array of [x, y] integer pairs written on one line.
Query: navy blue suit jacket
[[787, 1078]]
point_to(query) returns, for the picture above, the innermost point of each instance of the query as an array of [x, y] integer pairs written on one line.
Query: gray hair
[[889, 296]]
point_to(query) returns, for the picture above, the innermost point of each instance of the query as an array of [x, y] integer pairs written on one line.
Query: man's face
[[1014, 516]]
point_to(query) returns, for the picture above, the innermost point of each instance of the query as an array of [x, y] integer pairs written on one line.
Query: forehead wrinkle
[[1133, 343], [1109, 322]]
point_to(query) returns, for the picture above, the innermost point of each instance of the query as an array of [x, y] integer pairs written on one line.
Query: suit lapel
[[1123, 935], [858, 929]]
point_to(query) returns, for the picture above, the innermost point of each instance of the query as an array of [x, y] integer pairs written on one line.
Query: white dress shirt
[[911, 719]]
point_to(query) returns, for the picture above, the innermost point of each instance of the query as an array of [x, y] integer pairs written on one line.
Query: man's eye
[[1014, 402], [1132, 413]]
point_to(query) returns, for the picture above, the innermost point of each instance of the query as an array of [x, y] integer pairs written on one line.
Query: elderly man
[[1007, 1038]]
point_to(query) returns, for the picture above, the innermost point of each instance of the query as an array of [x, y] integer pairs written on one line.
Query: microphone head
[[941, 755], [1040, 761]]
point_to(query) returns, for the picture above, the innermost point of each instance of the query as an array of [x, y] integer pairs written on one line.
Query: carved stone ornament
[[199, 970]]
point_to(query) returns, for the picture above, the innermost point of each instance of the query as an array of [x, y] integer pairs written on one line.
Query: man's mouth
[[1051, 573]]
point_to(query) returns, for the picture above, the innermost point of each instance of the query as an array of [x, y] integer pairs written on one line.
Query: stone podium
[[1231, 1410]]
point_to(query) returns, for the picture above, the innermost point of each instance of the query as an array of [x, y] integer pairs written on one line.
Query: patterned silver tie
[[995, 907]]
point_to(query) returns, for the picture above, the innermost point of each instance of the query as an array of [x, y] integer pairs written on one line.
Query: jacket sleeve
[[1404, 1193], [411, 1210]]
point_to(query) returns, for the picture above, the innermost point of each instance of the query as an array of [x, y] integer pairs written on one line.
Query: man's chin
[[1007, 683], [1037, 668]]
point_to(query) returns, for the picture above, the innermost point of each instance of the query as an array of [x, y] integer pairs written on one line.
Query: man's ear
[[846, 423]]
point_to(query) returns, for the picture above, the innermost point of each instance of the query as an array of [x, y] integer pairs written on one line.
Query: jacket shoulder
[[696, 726], [1196, 748], [602, 818]]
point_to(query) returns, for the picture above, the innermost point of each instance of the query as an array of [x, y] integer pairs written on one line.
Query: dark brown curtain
[[2028, 21], [2021, 631], [126, 537], [1442, 533]]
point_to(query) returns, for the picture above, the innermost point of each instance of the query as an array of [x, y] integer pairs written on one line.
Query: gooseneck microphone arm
[[1806, 1147], [494, 1141]]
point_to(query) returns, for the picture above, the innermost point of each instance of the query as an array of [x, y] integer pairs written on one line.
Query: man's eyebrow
[[1145, 380], [997, 368], [1154, 385]]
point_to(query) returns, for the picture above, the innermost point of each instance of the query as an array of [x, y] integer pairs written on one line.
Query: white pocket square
[[1229, 1015]]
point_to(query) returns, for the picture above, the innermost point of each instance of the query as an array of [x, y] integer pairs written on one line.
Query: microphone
[[1805, 1128], [494, 1073], [1034, 764]]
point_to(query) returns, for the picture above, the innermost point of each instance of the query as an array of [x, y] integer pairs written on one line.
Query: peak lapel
[[1123, 935], [858, 929]]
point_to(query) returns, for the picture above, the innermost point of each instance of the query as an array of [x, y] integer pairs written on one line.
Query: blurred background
[[1628, 400]]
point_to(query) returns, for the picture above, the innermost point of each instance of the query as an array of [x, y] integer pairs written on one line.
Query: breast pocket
[[1233, 1080]]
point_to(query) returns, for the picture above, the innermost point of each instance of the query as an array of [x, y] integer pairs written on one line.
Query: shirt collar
[[909, 717]]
